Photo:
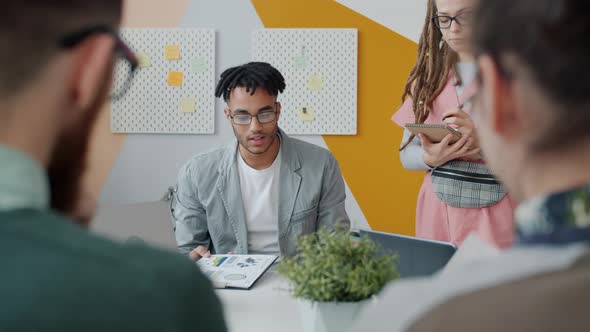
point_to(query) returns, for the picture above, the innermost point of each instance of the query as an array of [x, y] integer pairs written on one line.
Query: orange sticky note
[[188, 105], [175, 78], [172, 52]]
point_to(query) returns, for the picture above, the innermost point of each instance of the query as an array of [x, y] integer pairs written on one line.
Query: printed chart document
[[235, 271]]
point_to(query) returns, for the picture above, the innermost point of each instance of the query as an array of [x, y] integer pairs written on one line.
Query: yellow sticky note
[[188, 105], [315, 83], [305, 114], [175, 78], [172, 52], [144, 60]]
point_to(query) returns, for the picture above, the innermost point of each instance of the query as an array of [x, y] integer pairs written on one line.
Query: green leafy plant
[[333, 267]]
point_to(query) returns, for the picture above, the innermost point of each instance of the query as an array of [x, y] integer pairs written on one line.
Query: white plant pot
[[329, 316]]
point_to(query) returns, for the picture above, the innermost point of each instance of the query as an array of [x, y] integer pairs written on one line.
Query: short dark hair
[[550, 38], [30, 32], [251, 76]]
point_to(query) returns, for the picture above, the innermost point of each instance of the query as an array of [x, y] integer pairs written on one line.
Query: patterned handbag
[[466, 184]]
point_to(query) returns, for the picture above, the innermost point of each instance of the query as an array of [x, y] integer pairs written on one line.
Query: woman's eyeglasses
[[445, 21]]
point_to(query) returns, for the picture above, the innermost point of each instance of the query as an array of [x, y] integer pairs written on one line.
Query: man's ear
[[93, 63], [227, 113], [499, 102], [279, 106]]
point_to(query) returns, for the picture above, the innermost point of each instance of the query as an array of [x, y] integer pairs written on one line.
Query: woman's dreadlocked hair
[[251, 76], [431, 72]]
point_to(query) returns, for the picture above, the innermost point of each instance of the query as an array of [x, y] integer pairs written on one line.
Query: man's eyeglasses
[[126, 62], [445, 21], [243, 119]]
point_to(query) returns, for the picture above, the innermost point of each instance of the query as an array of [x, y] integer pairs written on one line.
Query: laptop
[[416, 257]]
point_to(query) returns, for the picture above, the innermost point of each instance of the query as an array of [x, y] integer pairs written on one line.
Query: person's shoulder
[[121, 258], [116, 274], [176, 279], [208, 160], [561, 291], [210, 156], [54, 234]]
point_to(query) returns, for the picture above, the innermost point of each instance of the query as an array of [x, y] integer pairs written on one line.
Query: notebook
[[416, 257], [235, 271], [434, 132], [437, 132]]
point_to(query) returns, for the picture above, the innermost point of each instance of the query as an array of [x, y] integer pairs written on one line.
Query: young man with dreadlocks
[[459, 194], [264, 189]]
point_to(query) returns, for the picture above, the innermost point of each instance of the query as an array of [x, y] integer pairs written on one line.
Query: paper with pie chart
[[235, 271]]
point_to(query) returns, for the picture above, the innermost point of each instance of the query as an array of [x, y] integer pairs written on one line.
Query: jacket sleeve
[[188, 214], [331, 210], [412, 157]]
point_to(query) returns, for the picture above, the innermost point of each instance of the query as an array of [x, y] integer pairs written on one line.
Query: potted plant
[[334, 275]]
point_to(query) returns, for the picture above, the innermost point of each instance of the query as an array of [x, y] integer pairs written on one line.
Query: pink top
[[446, 101], [439, 221]]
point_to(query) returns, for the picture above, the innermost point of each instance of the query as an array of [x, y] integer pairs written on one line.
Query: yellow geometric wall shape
[[384, 190]]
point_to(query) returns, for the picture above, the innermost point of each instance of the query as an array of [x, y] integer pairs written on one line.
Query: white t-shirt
[[467, 72], [260, 195]]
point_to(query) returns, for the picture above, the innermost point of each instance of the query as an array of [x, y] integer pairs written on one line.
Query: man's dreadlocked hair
[[430, 74], [251, 76]]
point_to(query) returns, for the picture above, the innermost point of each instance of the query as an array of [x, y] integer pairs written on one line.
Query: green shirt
[[56, 276], [23, 183]]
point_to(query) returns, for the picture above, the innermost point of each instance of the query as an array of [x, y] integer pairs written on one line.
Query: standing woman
[[459, 194]]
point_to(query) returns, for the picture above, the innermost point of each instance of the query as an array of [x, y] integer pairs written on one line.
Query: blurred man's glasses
[[243, 119], [126, 61], [444, 22]]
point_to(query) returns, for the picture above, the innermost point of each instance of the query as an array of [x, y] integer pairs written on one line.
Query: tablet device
[[434, 132], [416, 257]]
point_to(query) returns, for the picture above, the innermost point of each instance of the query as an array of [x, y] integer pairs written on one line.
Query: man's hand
[[200, 252]]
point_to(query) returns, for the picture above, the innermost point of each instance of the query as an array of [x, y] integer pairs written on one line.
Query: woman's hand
[[461, 121], [437, 154]]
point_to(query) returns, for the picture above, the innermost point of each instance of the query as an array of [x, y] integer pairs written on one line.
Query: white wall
[[405, 17]]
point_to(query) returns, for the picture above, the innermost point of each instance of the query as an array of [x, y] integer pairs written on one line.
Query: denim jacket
[[208, 210]]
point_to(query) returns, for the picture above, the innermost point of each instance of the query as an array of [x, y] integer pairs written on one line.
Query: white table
[[267, 306], [149, 222]]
